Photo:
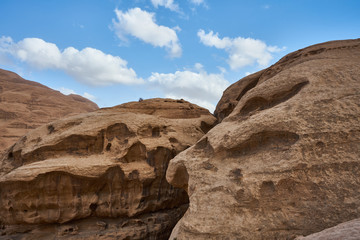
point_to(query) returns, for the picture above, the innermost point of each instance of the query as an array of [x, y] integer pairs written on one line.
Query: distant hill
[[26, 105]]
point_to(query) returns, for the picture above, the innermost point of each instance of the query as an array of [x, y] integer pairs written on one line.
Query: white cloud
[[94, 67], [167, 4], [67, 91], [90, 66], [37, 53], [89, 96], [142, 25], [202, 103], [4, 43], [242, 51], [177, 28], [197, 2], [197, 86]]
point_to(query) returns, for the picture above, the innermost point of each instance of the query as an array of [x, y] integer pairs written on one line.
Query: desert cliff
[[279, 159], [285, 159], [100, 175], [26, 105]]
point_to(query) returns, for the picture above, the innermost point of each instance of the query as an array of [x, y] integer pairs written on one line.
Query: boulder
[[285, 160], [26, 105], [345, 231], [100, 174]]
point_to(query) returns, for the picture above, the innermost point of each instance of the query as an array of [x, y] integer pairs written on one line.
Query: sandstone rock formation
[[26, 105], [285, 160], [100, 175], [234, 93], [345, 231]]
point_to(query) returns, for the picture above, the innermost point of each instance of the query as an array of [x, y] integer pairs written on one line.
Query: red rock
[[285, 160], [26, 105], [100, 175], [345, 231]]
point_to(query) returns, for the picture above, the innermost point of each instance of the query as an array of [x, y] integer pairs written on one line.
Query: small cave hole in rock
[[236, 175], [108, 147], [119, 131], [155, 132], [10, 155], [173, 140], [320, 144], [93, 207], [267, 187], [137, 152], [51, 129]]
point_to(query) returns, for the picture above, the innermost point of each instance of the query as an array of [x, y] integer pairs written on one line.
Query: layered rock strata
[[100, 174], [285, 160], [26, 105]]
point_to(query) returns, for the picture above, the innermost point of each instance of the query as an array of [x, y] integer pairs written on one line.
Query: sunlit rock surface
[[285, 160], [100, 174], [25, 105]]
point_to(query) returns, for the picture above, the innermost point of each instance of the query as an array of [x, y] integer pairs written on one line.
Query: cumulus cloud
[[196, 86], [242, 51], [142, 25], [90, 66], [167, 4], [67, 91]]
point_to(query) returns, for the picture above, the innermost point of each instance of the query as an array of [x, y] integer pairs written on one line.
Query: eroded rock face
[[26, 105], [348, 230], [286, 160], [106, 166]]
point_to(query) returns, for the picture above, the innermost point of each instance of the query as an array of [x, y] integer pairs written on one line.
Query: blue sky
[[115, 51]]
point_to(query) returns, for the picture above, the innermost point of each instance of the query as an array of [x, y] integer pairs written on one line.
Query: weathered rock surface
[[345, 231], [286, 160], [234, 93], [100, 175], [26, 105]]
